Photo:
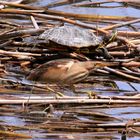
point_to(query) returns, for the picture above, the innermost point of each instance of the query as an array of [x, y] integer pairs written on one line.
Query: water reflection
[[13, 120], [123, 11]]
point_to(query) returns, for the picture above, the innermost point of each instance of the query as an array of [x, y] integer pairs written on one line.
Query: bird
[[64, 71]]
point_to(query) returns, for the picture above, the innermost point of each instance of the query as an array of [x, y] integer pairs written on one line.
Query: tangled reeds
[[72, 115]]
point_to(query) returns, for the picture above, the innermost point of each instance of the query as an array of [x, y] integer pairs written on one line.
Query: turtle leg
[[72, 87], [57, 93], [104, 52], [91, 94]]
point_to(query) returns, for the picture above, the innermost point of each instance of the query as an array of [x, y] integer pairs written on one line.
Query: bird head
[[100, 64], [96, 64]]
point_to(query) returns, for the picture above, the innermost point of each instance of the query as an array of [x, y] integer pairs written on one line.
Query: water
[[122, 11]]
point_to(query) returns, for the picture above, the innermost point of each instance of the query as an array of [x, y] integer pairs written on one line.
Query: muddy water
[[31, 119]]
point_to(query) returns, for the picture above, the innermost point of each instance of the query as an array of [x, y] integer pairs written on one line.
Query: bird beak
[[102, 64]]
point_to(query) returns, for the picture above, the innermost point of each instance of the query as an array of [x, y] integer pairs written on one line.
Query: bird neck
[[89, 65]]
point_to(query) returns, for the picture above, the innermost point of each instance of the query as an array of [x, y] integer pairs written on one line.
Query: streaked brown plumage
[[63, 71]]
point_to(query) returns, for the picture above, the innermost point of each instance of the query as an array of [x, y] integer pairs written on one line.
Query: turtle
[[73, 39]]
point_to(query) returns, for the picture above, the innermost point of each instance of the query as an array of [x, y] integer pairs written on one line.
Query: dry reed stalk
[[90, 4], [20, 5], [128, 33], [18, 54], [134, 97], [21, 12], [60, 18], [13, 134], [14, 34], [121, 24], [62, 3], [91, 125], [89, 17], [71, 101], [130, 77]]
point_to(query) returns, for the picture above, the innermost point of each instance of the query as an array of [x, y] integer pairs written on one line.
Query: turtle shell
[[71, 36]]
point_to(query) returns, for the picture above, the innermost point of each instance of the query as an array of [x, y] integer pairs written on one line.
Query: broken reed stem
[[46, 16], [20, 6], [122, 74], [20, 33], [54, 17], [71, 101], [89, 17], [23, 12], [32, 9], [90, 4], [128, 33], [17, 54], [51, 17], [34, 23], [121, 24], [65, 100], [135, 97], [13, 134]]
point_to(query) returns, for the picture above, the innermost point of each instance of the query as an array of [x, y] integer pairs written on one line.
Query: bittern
[[64, 71]]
